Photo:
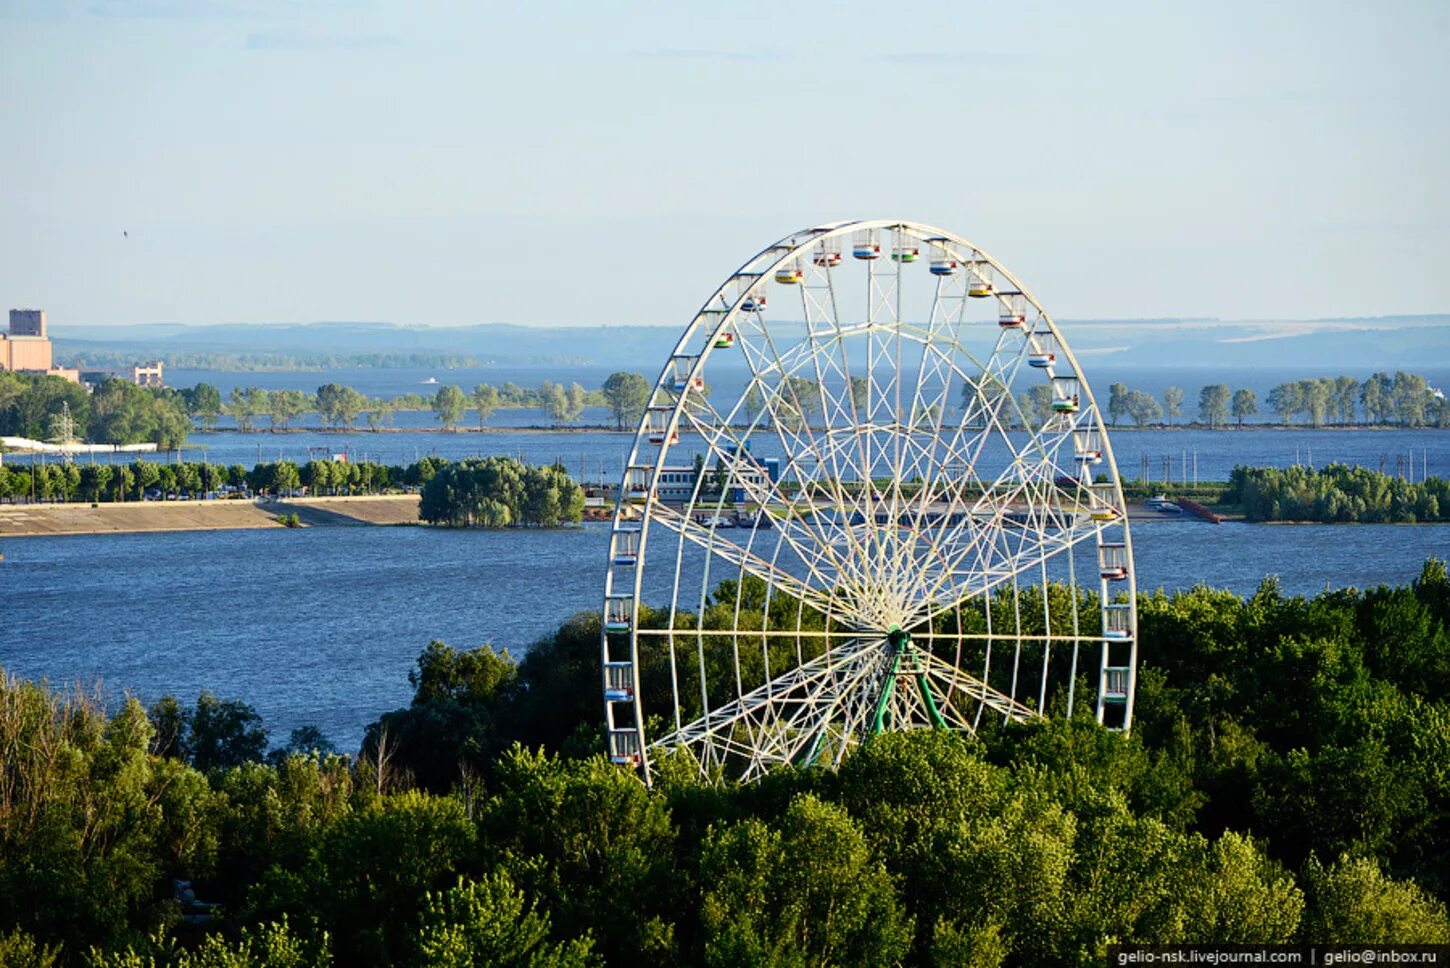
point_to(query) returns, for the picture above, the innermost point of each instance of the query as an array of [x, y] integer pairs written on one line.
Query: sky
[[567, 163]]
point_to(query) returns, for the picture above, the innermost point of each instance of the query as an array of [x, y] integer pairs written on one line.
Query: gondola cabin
[[624, 747], [1013, 314], [753, 302], [1115, 622], [1116, 680], [789, 275], [864, 246], [827, 254], [684, 378], [1113, 561], [618, 681], [637, 485], [619, 614], [626, 546], [724, 340], [1087, 449], [1042, 351], [943, 262]]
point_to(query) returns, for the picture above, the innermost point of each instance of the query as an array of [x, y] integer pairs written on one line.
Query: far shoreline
[[601, 428]]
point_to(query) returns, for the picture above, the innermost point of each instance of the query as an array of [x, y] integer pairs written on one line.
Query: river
[[320, 626]]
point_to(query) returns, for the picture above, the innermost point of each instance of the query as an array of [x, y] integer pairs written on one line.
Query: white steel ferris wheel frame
[[851, 674]]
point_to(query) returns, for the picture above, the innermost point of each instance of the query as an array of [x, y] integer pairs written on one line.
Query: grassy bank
[[29, 520]]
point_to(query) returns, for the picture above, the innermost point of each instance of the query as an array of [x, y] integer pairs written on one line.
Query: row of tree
[[194, 479], [1404, 400], [342, 406], [1335, 494], [1285, 782]]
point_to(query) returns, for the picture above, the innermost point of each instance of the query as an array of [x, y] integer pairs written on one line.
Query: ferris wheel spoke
[[711, 541], [1013, 483], [830, 543], [806, 689], [814, 544]]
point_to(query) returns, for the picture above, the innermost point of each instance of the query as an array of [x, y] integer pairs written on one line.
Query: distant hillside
[[283, 346], [1420, 341]]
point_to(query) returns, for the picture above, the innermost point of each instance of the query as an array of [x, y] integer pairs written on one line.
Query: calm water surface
[[322, 625]]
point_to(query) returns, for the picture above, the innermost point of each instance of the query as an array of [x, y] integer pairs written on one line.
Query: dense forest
[[1337, 493], [51, 408], [1286, 780], [496, 492]]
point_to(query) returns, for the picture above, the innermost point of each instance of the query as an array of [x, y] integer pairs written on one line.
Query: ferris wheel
[[871, 491]]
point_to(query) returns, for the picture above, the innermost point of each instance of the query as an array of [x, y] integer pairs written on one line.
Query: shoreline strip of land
[[136, 517], [34, 520]]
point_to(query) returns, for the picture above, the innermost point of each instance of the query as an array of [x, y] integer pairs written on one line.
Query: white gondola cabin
[[626, 546], [1116, 682], [1065, 395], [1042, 351], [943, 261], [636, 485], [657, 425], [865, 246], [827, 254], [724, 340], [753, 302], [682, 375], [1087, 448], [904, 248], [1104, 506], [1013, 313], [624, 747], [619, 614], [789, 274], [980, 286], [619, 682], [1113, 561], [1116, 622]]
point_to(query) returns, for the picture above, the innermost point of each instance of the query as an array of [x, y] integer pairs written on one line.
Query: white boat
[[1162, 505], [430, 381]]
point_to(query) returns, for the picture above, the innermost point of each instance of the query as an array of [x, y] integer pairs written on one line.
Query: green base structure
[[906, 659]]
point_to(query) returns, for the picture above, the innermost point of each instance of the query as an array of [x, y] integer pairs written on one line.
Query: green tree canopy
[[448, 406], [626, 395]]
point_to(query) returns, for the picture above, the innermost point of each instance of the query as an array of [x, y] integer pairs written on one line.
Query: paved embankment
[[19, 520]]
